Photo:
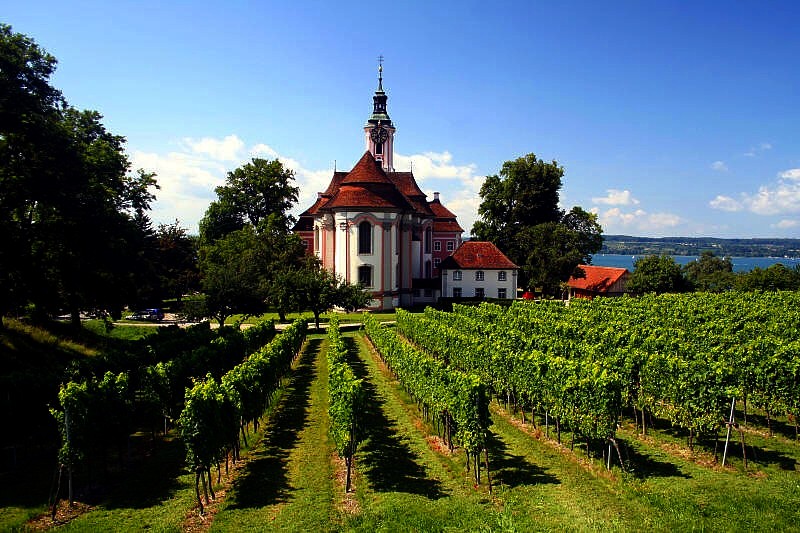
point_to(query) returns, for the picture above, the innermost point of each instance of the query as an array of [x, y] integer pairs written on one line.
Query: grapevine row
[[346, 398], [216, 411], [457, 398]]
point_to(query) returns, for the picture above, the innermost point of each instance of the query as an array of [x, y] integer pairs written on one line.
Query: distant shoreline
[[740, 264], [694, 246]]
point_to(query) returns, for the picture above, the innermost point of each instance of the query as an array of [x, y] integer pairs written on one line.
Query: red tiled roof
[[477, 254], [598, 279], [447, 225], [313, 209], [406, 183], [376, 196], [367, 170], [335, 182], [441, 211]]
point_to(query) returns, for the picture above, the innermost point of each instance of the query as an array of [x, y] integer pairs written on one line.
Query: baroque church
[[374, 225]]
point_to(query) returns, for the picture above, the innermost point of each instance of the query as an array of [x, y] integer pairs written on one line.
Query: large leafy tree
[[775, 277], [657, 274], [71, 215], [319, 290], [520, 214], [176, 258], [255, 199], [251, 194], [29, 116], [232, 269], [710, 273]]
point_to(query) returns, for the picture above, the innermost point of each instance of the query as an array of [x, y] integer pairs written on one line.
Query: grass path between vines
[[288, 483]]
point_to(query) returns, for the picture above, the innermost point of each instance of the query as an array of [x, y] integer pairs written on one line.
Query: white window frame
[[451, 245], [479, 275], [437, 246], [457, 275], [501, 275]]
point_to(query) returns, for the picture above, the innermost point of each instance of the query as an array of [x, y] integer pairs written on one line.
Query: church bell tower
[[379, 130]]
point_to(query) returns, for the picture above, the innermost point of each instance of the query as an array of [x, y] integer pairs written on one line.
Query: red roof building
[[478, 269], [599, 281]]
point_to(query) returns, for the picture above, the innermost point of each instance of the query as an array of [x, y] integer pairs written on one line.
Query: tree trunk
[[202, 473], [197, 490], [281, 315], [55, 499], [75, 318], [210, 484]]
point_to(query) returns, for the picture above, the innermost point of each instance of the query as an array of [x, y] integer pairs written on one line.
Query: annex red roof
[[478, 254], [447, 225], [598, 279], [441, 211]]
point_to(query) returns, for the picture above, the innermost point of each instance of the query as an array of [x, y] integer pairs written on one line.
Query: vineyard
[[654, 412]]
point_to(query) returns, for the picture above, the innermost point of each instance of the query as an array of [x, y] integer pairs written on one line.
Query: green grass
[[344, 318], [288, 484], [125, 332]]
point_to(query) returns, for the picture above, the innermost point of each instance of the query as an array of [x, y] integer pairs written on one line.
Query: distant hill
[[629, 245]]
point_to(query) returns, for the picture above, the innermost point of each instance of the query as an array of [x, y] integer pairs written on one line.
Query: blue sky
[[670, 118]]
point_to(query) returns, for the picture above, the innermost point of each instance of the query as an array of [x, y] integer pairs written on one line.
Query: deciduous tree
[[657, 274], [520, 214]]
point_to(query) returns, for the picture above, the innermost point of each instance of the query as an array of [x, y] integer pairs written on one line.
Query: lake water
[[740, 264]]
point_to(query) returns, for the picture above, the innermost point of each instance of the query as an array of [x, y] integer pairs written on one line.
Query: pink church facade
[[374, 225]]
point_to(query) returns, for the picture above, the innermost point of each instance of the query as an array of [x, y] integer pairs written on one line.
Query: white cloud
[[780, 198], [786, 224], [791, 174], [615, 220], [227, 149], [459, 185], [755, 150], [725, 203], [719, 166], [616, 197], [188, 176]]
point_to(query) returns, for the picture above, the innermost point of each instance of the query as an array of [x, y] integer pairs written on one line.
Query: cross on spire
[[380, 72]]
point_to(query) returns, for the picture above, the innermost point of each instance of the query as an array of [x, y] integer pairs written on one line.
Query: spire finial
[[380, 72]]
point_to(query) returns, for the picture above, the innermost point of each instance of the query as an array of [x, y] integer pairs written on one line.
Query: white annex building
[[374, 225]]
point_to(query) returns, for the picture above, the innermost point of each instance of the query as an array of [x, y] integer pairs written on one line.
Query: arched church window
[[365, 238], [378, 148]]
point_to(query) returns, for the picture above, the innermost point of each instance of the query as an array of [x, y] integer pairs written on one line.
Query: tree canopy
[[657, 274], [710, 273], [520, 214], [72, 216]]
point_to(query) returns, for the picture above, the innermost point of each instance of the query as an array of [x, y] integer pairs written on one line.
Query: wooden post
[[488, 475], [729, 423]]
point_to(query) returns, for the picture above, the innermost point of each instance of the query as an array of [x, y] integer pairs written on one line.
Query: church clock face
[[378, 135]]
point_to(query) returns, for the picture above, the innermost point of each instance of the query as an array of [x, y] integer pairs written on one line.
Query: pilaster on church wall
[[328, 243]]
